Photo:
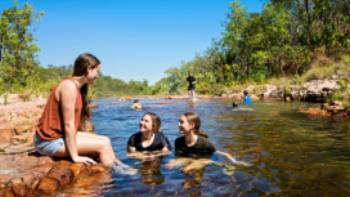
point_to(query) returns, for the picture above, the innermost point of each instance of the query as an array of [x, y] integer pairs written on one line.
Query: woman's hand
[[84, 160]]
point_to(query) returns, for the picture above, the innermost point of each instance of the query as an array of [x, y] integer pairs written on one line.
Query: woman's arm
[[147, 155], [67, 97], [232, 159], [165, 142], [165, 149], [131, 144], [131, 149]]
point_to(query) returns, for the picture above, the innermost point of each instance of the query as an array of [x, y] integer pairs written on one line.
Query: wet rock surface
[[333, 109], [24, 175]]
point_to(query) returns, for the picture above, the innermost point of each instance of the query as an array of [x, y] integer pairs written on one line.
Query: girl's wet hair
[[194, 119], [84, 62], [156, 123]]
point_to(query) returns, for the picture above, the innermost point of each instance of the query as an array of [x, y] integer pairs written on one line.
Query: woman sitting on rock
[[57, 135], [149, 138]]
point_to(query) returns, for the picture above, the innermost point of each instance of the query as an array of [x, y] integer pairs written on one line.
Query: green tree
[[174, 79], [19, 49]]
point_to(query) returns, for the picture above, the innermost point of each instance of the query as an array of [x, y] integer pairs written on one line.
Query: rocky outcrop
[[334, 109], [17, 124], [312, 91], [318, 90], [23, 175], [315, 111]]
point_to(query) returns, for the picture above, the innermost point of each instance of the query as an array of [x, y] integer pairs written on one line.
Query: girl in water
[[195, 150], [149, 138], [194, 142]]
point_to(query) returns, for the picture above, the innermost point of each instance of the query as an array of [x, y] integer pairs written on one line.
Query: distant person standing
[[191, 85], [247, 99]]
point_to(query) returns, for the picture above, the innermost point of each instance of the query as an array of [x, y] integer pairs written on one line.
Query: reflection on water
[[150, 172], [291, 154]]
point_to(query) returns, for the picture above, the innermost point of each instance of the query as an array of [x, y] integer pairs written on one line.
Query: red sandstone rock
[[23, 175], [315, 112], [23, 128], [19, 189], [77, 168], [4, 178], [19, 139], [48, 186], [34, 184], [62, 174], [42, 169], [96, 169], [7, 193], [23, 169], [5, 136], [91, 180]]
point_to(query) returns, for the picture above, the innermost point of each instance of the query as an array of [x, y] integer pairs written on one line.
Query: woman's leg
[[101, 137], [90, 144]]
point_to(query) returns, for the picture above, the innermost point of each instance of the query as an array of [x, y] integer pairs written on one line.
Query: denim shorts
[[48, 148]]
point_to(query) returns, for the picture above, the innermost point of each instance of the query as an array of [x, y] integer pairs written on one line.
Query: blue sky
[[134, 39]]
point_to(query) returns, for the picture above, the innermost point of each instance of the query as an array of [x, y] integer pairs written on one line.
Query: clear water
[[291, 154]]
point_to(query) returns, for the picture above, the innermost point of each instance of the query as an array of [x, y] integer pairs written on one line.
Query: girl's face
[[184, 126], [93, 73], [146, 124]]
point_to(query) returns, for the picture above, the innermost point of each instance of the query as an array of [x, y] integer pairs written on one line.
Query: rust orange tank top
[[50, 126]]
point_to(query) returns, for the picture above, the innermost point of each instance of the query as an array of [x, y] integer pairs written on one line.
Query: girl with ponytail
[[194, 142]]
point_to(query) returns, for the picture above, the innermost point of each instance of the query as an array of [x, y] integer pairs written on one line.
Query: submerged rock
[[316, 112], [335, 109]]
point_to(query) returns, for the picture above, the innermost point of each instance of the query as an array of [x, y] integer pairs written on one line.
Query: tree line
[[20, 71], [279, 41]]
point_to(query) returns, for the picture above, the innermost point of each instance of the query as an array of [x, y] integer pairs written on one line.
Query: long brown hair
[[84, 62], [156, 123], [194, 119]]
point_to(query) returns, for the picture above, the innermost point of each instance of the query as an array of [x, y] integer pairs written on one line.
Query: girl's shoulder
[[67, 85], [204, 141], [136, 135], [180, 140], [160, 135]]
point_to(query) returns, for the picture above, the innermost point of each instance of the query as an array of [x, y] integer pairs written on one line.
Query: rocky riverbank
[[22, 171], [315, 91]]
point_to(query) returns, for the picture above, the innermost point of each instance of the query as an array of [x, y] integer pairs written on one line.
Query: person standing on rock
[[57, 131]]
